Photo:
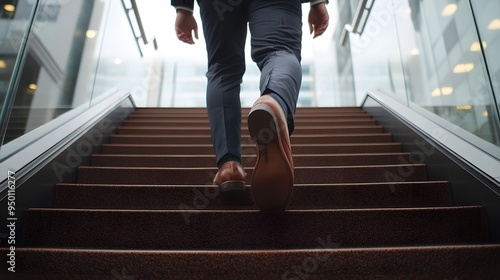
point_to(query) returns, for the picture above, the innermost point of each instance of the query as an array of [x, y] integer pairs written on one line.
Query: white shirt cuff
[[184, 8], [316, 2]]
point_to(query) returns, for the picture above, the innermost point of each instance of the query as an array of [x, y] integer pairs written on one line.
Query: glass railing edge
[[55, 132], [463, 147]]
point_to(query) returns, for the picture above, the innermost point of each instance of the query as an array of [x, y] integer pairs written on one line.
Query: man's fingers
[[320, 30], [311, 28], [186, 38], [196, 33]]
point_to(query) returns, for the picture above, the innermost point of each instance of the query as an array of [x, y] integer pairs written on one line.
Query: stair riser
[[209, 161], [295, 139], [204, 176], [208, 197], [206, 131], [178, 230]]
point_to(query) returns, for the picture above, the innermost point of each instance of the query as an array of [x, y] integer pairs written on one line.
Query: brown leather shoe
[[231, 177], [272, 178]]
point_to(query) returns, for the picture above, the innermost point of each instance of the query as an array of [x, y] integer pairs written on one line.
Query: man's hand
[[318, 19], [185, 24]]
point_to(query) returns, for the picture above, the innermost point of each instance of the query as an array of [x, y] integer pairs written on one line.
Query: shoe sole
[[272, 179], [232, 186]]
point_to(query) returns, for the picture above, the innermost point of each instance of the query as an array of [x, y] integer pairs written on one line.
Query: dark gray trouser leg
[[225, 34], [276, 28], [276, 46]]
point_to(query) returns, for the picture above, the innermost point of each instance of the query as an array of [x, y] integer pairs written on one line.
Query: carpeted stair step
[[205, 130], [244, 111], [360, 210], [326, 262], [203, 117], [179, 149], [295, 139], [195, 123], [127, 160], [327, 196], [249, 229], [299, 110], [203, 176]]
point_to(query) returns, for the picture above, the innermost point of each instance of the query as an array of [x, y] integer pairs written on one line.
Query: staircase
[[146, 209]]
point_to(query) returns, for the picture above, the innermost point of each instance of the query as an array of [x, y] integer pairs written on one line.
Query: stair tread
[[244, 128], [212, 156], [312, 136], [182, 160], [267, 252], [206, 139], [253, 145], [249, 168], [437, 262], [207, 149], [158, 130], [269, 214], [297, 185]]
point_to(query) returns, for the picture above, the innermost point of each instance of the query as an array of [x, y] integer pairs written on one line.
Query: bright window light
[[436, 92], [447, 90], [91, 33], [449, 10], [464, 107], [463, 68], [494, 24], [9, 8], [442, 91], [475, 47]]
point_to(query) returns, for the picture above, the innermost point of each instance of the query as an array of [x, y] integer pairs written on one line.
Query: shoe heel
[[262, 125]]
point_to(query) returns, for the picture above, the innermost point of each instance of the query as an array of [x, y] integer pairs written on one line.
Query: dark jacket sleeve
[[183, 3], [190, 3]]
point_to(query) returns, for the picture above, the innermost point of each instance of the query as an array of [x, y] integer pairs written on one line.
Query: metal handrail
[[139, 22], [142, 30], [353, 27]]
